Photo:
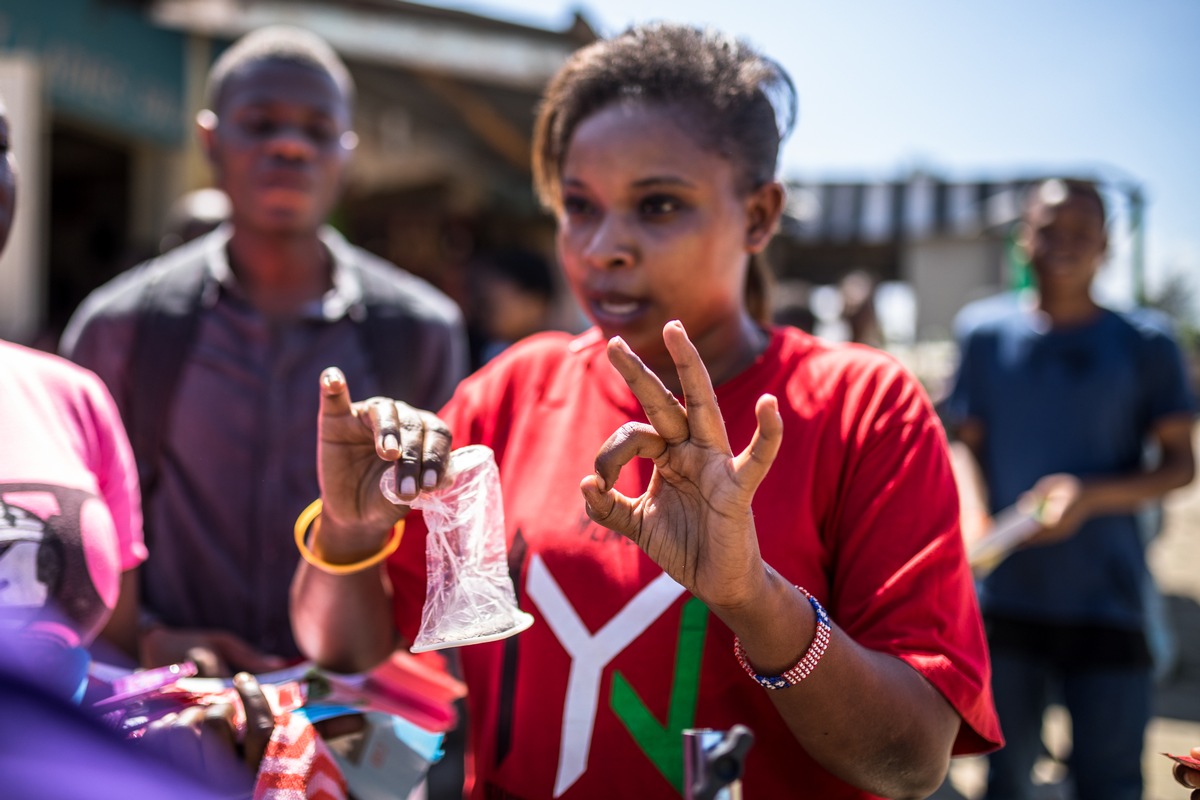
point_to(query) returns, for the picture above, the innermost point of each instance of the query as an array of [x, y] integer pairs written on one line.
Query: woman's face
[[8, 181], [653, 227]]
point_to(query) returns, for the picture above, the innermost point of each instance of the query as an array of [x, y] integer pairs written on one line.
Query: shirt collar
[[345, 298]]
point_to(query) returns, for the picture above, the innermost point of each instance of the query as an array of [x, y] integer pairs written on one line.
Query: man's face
[[277, 145], [1065, 242]]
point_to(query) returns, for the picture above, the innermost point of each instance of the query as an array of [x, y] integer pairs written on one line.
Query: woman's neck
[[726, 353]]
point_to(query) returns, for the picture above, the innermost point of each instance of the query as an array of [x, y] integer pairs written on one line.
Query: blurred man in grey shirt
[[270, 298]]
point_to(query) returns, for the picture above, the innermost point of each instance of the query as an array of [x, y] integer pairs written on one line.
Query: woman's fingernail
[[390, 442], [429, 479], [408, 485]]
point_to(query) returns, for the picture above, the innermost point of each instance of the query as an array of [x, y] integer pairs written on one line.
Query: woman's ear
[[764, 208]]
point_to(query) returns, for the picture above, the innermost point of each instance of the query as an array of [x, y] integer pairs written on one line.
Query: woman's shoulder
[[533, 355], [854, 378], [804, 356], [54, 372], [1146, 324], [41, 386], [531, 362]]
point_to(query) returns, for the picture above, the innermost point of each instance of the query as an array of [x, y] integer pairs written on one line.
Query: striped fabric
[[297, 765]]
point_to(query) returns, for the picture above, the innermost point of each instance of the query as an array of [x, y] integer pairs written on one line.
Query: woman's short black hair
[[740, 103]]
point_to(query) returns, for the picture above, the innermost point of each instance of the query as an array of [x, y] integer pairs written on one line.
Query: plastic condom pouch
[[469, 596]]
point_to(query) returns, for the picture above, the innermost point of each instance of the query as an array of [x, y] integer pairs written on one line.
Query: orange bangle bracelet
[[309, 515]]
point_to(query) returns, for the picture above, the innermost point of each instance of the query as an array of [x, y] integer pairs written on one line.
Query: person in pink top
[[70, 513], [70, 545], [713, 521]]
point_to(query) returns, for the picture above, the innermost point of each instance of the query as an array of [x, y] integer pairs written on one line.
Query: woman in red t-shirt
[[798, 566]]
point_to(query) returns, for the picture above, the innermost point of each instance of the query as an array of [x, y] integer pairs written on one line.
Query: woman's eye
[[659, 205], [575, 206]]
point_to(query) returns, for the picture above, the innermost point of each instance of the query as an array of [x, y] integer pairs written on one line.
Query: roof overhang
[[509, 55]]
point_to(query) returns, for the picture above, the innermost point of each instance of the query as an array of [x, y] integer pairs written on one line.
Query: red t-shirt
[[859, 508]]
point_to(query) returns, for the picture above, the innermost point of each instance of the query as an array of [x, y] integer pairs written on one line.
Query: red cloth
[[297, 765], [860, 508]]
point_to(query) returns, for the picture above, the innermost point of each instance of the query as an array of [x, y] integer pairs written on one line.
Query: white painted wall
[[948, 273], [22, 265]]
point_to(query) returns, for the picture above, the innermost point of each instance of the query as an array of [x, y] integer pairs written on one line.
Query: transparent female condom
[[469, 596]]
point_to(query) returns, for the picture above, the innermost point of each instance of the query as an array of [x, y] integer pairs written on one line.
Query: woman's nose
[[611, 244]]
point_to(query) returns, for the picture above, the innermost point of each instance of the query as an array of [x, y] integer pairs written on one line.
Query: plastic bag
[[469, 595]]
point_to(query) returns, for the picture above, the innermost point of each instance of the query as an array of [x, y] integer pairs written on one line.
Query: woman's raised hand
[[694, 518], [357, 442]]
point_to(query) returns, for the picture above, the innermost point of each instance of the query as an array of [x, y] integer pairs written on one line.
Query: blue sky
[[972, 89]]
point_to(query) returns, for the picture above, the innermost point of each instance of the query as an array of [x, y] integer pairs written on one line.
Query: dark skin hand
[[205, 735], [1187, 776], [357, 442], [217, 654], [696, 522], [696, 477], [1063, 502]]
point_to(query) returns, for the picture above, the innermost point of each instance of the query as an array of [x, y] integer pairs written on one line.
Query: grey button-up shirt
[[239, 452]]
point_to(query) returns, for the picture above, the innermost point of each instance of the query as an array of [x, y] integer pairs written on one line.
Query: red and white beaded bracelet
[[807, 663]]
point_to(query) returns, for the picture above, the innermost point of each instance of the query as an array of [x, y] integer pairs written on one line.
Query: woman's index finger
[[662, 409], [335, 394], [705, 422]]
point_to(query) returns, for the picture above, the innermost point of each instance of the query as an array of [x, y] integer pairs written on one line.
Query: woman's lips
[[616, 310], [624, 308]]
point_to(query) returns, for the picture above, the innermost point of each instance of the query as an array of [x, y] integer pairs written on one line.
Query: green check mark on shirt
[[663, 744]]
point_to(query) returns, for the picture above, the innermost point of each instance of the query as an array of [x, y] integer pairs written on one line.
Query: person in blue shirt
[[1053, 404]]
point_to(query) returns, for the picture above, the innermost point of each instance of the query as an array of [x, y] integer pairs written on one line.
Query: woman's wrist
[[805, 665], [340, 564], [770, 598], [335, 542], [776, 630]]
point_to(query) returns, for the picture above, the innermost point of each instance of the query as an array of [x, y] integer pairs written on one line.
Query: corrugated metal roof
[[919, 207]]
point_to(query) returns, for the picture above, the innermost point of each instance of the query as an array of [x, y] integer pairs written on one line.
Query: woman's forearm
[[867, 717], [343, 622]]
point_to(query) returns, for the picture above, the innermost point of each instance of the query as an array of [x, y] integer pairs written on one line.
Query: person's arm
[[116, 479], [121, 630], [1067, 501], [216, 653], [965, 451], [344, 622], [837, 713], [867, 717]]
